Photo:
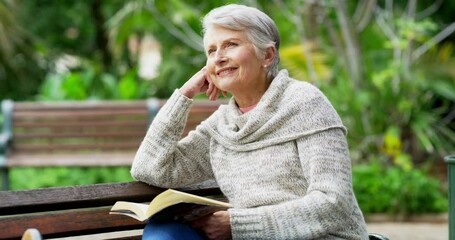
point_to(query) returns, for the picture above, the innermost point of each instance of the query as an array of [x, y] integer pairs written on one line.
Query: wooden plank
[[78, 134], [100, 159], [135, 234], [78, 110], [22, 106], [62, 147], [110, 124], [47, 199], [67, 223], [77, 210], [43, 106], [67, 114], [72, 124], [61, 198]]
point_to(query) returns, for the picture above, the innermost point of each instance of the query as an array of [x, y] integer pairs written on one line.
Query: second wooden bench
[[101, 133]]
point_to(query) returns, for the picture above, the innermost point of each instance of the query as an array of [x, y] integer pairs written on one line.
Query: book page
[[184, 212], [134, 210], [171, 197]]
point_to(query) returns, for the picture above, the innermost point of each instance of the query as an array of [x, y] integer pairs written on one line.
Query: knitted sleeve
[[166, 161], [328, 206]]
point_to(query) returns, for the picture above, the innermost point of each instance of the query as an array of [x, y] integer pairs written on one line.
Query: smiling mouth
[[225, 71]]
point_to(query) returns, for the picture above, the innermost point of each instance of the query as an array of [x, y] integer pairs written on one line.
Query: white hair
[[259, 28]]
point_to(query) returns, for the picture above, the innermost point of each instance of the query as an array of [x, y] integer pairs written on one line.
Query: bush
[[397, 191], [31, 178]]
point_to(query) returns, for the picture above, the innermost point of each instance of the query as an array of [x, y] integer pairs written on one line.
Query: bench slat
[[101, 159], [46, 199], [38, 106], [67, 223], [81, 114], [71, 124], [77, 210], [79, 146], [96, 195], [93, 134]]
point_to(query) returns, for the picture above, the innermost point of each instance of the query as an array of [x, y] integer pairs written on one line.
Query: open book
[[170, 205]]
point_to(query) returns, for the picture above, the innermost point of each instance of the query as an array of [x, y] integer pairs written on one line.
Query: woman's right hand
[[200, 82]]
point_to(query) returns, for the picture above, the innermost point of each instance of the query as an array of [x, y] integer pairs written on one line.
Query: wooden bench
[[82, 210], [102, 133], [77, 210]]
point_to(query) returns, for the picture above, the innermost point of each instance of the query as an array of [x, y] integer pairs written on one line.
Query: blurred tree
[[373, 52], [175, 25], [376, 51], [71, 27], [21, 67]]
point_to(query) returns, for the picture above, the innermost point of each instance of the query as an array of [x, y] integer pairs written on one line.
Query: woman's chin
[[227, 83]]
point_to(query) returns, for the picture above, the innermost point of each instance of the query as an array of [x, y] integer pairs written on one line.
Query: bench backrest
[[84, 126], [87, 134], [89, 126], [74, 211]]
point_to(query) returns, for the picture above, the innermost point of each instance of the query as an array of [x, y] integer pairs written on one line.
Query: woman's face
[[232, 63]]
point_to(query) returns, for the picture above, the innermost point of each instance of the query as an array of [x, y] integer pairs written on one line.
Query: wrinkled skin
[[215, 226]]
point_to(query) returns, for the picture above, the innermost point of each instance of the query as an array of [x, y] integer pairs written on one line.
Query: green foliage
[[399, 113], [128, 86], [31, 178], [293, 58], [176, 26], [67, 26], [88, 83], [397, 191], [21, 70]]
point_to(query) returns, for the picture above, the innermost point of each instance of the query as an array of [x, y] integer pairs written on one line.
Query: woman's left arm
[[329, 205]]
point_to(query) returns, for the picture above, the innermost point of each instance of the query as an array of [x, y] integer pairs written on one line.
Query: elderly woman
[[277, 150]]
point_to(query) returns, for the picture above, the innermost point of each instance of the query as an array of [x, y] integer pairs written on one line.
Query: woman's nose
[[220, 58]]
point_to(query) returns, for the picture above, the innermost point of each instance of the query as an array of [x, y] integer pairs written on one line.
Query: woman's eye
[[232, 44], [210, 51]]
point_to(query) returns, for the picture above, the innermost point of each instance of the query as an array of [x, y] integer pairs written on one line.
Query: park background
[[388, 67]]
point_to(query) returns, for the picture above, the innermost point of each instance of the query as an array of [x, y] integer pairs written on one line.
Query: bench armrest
[[7, 107], [4, 139]]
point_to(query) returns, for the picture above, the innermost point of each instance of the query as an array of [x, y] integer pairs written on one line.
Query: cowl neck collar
[[288, 110]]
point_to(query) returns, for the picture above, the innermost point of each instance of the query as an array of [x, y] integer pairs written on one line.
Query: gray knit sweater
[[284, 166]]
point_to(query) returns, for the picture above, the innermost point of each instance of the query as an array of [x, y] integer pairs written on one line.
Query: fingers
[[214, 226], [194, 85], [210, 88], [212, 92], [215, 93]]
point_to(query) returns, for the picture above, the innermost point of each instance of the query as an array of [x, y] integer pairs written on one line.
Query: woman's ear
[[269, 55]]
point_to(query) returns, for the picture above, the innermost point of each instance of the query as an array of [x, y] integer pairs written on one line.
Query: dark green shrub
[[30, 178], [397, 191]]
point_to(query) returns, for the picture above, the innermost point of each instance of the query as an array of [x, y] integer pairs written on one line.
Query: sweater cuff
[[176, 107], [247, 223]]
